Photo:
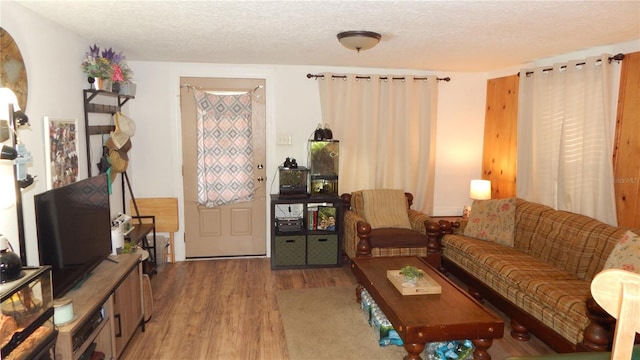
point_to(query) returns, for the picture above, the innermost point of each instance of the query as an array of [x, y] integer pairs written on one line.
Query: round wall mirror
[[13, 73]]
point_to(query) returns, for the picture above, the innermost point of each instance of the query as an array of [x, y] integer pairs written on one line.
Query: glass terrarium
[[27, 314], [293, 181], [322, 185], [324, 157]]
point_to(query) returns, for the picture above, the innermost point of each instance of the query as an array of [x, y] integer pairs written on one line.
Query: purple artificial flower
[[117, 58], [94, 51], [108, 54]]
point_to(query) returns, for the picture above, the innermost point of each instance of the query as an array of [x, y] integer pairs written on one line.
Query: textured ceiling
[[429, 35]]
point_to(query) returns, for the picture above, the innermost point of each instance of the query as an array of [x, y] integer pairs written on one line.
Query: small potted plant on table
[[411, 273]]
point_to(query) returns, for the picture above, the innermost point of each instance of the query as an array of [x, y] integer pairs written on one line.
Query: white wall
[[460, 133], [293, 107], [52, 62], [53, 56]]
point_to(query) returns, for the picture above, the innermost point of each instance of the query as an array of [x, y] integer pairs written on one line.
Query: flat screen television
[[74, 230]]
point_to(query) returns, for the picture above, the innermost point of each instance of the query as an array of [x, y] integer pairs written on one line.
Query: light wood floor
[[227, 309]]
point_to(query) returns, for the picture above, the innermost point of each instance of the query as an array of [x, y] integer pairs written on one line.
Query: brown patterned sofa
[[419, 237], [542, 282]]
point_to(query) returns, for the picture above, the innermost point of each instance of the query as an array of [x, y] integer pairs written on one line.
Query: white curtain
[[565, 138], [386, 130]]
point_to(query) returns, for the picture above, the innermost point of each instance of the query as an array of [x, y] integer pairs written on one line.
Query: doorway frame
[[270, 135]]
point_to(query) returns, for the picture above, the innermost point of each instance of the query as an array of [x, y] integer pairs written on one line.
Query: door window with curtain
[[224, 149], [565, 137], [387, 129]]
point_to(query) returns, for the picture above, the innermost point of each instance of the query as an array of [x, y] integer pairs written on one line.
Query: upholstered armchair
[[381, 223]]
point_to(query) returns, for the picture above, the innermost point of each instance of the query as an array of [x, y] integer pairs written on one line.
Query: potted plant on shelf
[[411, 273], [105, 69], [128, 248]]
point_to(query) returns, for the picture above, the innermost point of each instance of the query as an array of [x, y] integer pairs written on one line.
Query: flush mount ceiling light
[[359, 40]]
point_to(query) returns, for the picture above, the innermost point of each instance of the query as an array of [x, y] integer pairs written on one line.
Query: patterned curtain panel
[[225, 151]]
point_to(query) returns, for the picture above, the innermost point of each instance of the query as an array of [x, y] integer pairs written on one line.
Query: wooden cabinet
[[306, 232], [127, 309], [109, 301]]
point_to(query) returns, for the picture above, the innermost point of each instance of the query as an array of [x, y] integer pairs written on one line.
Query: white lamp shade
[[7, 96], [480, 190]]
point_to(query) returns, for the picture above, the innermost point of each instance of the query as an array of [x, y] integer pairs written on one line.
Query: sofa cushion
[[521, 278], [626, 254], [386, 208], [526, 222], [394, 237], [572, 242], [404, 251], [491, 261], [492, 220], [559, 304]]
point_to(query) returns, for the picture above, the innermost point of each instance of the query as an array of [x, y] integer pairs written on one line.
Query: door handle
[[260, 166], [119, 332], [260, 179]]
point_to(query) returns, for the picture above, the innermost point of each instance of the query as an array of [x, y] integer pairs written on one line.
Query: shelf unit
[[99, 108], [139, 236], [296, 242], [108, 102]]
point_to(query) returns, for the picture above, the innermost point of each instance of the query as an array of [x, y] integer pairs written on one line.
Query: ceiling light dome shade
[[359, 40]]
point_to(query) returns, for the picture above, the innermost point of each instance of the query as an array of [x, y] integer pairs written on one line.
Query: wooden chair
[[618, 292], [360, 238], [165, 211]]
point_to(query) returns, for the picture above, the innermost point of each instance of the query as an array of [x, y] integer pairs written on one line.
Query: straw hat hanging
[[119, 144], [117, 157]]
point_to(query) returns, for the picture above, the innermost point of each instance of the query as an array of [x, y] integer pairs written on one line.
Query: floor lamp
[[20, 157]]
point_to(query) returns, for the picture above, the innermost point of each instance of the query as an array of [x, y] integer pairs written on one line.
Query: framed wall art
[[61, 151]]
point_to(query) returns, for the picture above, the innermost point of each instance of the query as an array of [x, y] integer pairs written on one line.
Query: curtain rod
[[190, 87], [616, 57], [316, 76]]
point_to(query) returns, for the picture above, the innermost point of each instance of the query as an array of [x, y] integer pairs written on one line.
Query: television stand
[[108, 308]]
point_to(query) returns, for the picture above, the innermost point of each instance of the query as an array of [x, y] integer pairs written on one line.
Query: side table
[[139, 236]]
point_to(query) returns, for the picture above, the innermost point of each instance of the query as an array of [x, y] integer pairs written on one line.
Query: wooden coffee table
[[419, 319]]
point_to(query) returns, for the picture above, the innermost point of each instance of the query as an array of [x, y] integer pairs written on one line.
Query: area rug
[[327, 323]]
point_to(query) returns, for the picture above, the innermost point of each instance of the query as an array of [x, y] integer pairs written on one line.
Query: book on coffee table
[[423, 286]]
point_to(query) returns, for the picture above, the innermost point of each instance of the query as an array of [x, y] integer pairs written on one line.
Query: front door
[[234, 229]]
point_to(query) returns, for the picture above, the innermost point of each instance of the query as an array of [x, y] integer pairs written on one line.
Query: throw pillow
[[386, 208], [492, 220], [626, 254]]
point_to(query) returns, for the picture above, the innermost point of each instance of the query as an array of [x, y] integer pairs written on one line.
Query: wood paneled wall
[[499, 155], [500, 135], [626, 153]]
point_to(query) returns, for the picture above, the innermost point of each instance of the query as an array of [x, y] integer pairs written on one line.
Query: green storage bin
[[322, 249], [290, 250]]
